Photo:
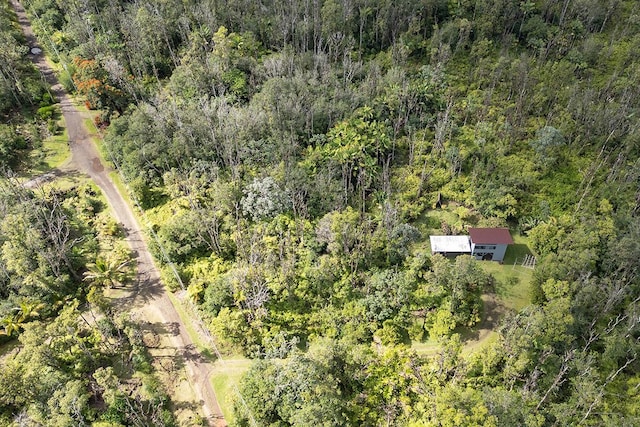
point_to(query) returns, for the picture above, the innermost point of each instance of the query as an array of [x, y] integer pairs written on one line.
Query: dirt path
[[147, 301], [492, 312]]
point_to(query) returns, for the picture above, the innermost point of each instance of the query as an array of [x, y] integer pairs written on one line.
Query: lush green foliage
[[20, 84], [290, 156], [75, 361], [73, 370], [21, 91]]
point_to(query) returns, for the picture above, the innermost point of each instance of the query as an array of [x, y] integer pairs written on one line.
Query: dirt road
[[148, 300]]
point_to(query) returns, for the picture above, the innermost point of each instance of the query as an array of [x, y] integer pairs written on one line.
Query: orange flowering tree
[[92, 81]]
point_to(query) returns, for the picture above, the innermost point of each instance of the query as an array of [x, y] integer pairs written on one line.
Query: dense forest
[[291, 156]]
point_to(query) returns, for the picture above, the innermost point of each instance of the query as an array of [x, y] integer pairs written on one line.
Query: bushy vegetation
[[26, 114], [291, 155], [77, 362]]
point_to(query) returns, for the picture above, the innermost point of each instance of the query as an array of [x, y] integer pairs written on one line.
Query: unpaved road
[[148, 300]]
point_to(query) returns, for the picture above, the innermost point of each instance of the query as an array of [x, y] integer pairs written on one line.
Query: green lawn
[[225, 379], [512, 284], [512, 280], [53, 153]]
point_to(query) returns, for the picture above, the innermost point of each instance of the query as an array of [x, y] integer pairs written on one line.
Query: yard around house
[[512, 281]]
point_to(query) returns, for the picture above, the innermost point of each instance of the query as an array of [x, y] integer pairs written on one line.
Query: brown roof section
[[496, 236]]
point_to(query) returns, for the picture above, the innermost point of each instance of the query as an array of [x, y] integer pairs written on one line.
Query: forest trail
[[493, 311], [147, 301]]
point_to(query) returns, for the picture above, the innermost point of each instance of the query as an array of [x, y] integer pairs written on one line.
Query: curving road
[[148, 301]]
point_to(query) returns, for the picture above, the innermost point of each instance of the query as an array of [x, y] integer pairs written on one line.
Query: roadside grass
[[96, 135], [226, 373], [124, 191], [203, 347], [93, 130], [225, 378], [53, 153]]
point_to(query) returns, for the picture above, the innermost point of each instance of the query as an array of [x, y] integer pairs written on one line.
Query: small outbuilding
[[450, 245], [489, 243]]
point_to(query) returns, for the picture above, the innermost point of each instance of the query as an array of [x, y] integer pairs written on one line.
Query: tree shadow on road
[[193, 354], [140, 292]]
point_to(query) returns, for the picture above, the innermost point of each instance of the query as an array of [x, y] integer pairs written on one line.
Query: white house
[[450, 245], [489, 243], [483, 243]]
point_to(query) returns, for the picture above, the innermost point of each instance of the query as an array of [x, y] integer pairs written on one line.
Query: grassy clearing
[[224, 379], [512, 280], [470, 344], [426, 348], [431, 221], [53, 153], [475, 345]]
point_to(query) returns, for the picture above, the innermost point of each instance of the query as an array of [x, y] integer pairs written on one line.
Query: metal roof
[[450, 244], [495, 236]]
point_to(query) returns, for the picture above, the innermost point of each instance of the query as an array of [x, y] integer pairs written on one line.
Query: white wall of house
[[496, 251]]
